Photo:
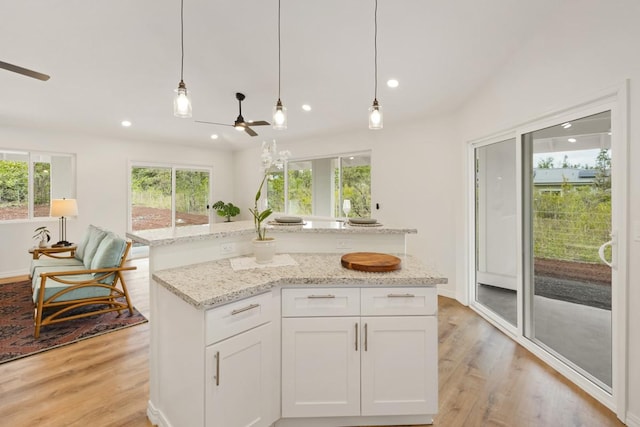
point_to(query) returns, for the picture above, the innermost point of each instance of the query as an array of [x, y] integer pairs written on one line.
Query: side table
[[54, 251]]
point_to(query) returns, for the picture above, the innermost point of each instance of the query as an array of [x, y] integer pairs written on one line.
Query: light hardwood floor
[[485, 379]]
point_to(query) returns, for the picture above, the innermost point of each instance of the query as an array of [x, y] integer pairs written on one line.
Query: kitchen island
[[301, 342]]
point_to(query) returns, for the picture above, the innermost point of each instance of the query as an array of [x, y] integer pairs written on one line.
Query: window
[[320, 186], [29, 180], [168, 196]]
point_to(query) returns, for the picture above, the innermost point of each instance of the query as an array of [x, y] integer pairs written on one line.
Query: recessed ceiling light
[[572, 140], [392, 83], [306, 107], [214, 136], [125, 123], [566, 125], [609, 133]]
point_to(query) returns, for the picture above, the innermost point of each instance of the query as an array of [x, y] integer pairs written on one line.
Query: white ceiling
[[120, 59]]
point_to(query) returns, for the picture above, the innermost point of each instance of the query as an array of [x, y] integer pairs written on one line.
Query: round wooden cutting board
[[370, 261]]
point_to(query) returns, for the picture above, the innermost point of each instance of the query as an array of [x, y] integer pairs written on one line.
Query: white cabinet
[[321, 367], [239, 380], [239, 366], [380, 364], [399, 366]]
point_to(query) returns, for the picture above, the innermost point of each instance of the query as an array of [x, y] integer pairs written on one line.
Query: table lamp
[[63, 208]]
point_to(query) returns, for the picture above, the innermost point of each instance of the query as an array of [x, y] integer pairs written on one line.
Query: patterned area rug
[[17, 324]]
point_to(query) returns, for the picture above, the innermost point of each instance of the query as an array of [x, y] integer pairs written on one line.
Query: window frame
[[173, 167], [33, 157], [339, 160]]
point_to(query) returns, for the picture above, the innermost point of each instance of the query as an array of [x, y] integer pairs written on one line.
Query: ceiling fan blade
[[250, 131], [259, 123], [214, 123], [24, 71]]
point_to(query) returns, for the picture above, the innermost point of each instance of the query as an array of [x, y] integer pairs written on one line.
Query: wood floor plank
[[485, 379]]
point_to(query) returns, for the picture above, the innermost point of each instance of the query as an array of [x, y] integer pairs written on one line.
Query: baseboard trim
[[155, 416], [633, 420], [442, 291], [13, 273], [378, 420]]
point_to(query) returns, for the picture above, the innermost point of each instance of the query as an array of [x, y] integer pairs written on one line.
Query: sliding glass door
[[496, 287], [168, 196], [567, 211], [548, 221]]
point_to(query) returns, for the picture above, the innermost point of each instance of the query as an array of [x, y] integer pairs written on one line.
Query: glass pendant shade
[[182, 102], [375, 115], [279, 116]]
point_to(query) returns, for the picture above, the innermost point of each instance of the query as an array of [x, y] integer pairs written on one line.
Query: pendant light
[[375, 111], [279, 111], [182, 99]]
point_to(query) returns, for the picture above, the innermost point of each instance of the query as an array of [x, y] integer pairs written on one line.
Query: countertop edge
[[202, 233], [421, 278]]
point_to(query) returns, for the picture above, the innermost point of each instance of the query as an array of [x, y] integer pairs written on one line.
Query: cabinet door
[[399, 365], [320, 367], [239, 377]]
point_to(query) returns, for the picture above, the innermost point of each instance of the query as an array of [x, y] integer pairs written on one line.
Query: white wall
[[414, 179], [589, 47], [102, 171]]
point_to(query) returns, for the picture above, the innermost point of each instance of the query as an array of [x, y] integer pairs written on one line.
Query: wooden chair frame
[[63, 252], [109, 302]]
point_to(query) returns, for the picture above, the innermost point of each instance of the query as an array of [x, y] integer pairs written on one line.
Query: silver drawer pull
[[240, 310], [401, 296], [321, 296]]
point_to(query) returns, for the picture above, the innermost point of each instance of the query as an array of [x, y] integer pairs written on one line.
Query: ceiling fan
[[24, 71], [240, 124]]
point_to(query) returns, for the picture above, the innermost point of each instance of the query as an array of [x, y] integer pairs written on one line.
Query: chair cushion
[[95, 237], [70, 263], [51, 287], [108, 254], [83, 243]]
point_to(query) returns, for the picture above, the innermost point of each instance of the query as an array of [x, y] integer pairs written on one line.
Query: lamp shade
[[64, 207]]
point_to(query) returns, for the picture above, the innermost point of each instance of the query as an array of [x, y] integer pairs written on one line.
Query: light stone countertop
[[215, 283], [168, 236]]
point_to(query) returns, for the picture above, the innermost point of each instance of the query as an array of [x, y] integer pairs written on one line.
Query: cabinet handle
[[356, 328], [217, 368], [240, 310], [401, 296], [366, 336], [321, 296]]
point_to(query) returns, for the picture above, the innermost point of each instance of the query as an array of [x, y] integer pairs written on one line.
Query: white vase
[[264, 250]]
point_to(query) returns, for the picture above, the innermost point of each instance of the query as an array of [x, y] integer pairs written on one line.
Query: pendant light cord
[[182, 39], [375, 49], [279, 60]]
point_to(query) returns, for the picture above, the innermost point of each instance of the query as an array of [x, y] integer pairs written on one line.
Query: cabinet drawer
[[231, 319], [399, 301], [315, 302]]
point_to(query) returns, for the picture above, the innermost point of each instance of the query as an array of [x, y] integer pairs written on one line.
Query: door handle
[[217, 368], [356, 328], [366, 337], [601, 252], [614, 250]]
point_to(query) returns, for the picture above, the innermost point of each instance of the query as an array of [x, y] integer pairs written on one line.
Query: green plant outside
[[572, 224], [356, 186], [151, 187]]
